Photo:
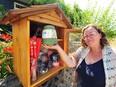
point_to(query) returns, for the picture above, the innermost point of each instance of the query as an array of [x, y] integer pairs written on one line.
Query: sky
[[84, 3]]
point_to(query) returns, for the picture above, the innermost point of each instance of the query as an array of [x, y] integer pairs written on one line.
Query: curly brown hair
[[103, 40]]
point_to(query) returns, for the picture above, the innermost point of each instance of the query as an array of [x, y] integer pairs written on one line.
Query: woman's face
[[91, 37]]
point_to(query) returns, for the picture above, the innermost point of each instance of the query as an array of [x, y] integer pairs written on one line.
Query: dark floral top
[[109, 63]]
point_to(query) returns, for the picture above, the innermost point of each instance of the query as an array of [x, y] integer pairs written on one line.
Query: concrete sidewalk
[[1, 81]]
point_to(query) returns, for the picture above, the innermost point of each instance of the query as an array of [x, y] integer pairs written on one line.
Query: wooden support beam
[[46, 21]]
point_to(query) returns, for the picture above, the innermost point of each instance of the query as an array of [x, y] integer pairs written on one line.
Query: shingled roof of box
[[17, 14]]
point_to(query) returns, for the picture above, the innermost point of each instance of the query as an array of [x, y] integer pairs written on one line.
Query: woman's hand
[[67, 60], [54, 47]]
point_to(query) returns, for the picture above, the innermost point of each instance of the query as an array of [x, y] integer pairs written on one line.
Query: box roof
[[33, 10]]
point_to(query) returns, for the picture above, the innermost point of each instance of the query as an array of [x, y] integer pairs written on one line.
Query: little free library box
[[24, 23]]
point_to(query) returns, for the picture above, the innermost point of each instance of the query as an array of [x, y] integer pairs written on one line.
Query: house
[[14, 4]]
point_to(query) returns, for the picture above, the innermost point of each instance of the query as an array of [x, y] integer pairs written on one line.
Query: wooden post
[[21, 55]]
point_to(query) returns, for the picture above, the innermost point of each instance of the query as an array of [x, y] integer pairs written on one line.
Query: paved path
[[1, 80]]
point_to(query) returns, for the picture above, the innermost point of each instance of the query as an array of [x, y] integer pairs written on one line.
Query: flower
[[6, 37], [8, 50], [6, 55]]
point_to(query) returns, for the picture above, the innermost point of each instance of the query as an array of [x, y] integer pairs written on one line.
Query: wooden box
[[35, 16]]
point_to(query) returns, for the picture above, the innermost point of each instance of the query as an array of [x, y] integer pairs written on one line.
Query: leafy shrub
[[6, 52]]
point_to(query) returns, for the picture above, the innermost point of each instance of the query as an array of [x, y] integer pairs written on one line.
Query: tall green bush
[[104, 17], [2, 11]]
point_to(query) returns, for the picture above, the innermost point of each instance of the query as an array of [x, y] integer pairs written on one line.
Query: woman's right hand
[[68, 61], [54, 47]]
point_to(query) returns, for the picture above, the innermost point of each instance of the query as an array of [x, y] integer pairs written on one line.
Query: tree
[[2, 11], [42, 2]]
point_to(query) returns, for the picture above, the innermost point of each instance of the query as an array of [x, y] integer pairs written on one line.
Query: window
[[18, 5]]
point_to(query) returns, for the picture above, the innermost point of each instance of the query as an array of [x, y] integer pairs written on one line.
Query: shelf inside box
[[44, 77], [59, 39]]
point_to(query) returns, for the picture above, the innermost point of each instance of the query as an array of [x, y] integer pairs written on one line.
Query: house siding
[[23, 1], [8, 4]]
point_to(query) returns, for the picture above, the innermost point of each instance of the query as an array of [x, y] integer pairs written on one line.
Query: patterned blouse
[[109, 62]]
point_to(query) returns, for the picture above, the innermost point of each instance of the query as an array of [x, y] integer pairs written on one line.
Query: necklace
[[93, 57]]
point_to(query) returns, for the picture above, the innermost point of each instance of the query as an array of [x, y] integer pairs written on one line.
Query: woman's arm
[[69, 61]]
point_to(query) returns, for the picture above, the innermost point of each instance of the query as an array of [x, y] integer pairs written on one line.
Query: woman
[[95, 60]]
